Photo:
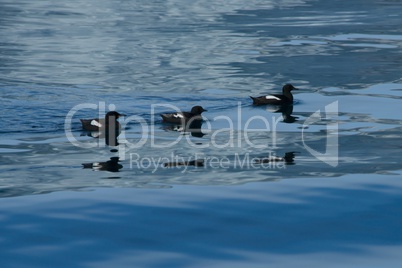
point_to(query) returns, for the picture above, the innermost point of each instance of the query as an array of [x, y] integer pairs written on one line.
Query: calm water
[[338, 203]]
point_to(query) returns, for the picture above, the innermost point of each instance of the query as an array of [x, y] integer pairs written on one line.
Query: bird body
[[108, 128], [276, 99], [184, 117], [97, 124]]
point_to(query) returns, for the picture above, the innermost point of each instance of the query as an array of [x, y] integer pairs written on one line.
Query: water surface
[[142, 56]]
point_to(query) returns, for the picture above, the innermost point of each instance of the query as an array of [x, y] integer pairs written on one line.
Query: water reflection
[[196, 163], [193, 127], [288, 159], [286, 111], [111, 165]]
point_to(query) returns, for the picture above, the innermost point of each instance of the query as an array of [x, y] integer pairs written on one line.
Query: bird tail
[[164, 117], [255, 101]]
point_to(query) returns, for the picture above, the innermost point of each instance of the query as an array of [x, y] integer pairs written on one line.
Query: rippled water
[[141, 57]]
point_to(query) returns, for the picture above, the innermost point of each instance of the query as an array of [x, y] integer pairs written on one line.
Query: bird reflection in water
[[196, 163], [286, 110], [111, 165], [193, 127], [288, 159]]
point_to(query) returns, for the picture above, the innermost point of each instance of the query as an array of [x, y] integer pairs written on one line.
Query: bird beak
[[120, 115], [295, 88], [204, 110]]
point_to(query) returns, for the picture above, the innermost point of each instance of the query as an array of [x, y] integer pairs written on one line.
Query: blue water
[[81, 58]]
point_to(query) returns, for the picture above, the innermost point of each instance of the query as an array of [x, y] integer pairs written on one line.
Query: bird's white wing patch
[[270, 97], [178, 116], [96, 166], [96, 123]]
